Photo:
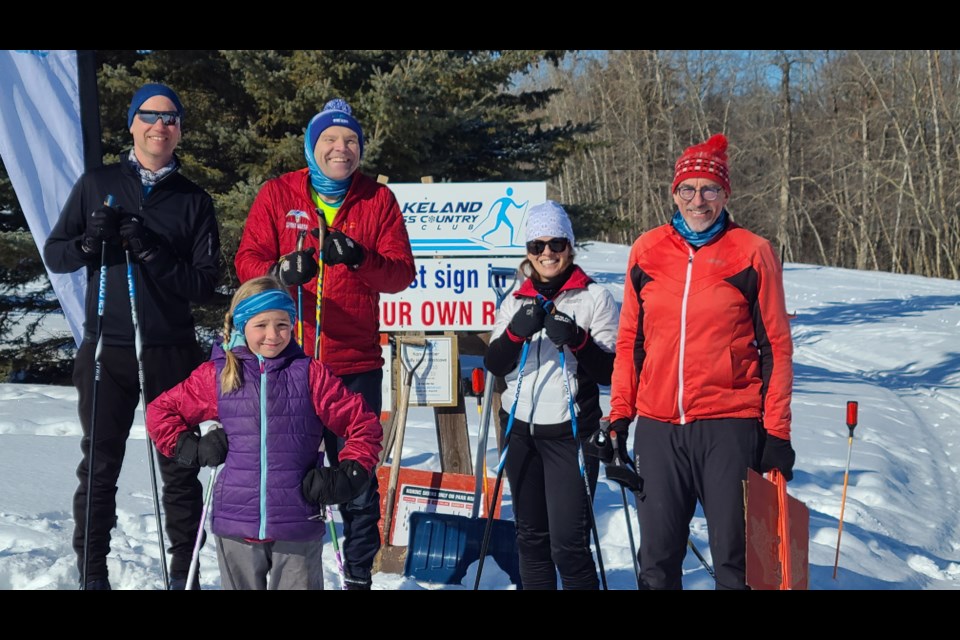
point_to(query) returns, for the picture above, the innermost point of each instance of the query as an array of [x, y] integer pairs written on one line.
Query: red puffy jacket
[[350, 315]]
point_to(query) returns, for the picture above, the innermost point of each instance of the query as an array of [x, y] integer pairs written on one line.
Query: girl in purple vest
[[274, 403]]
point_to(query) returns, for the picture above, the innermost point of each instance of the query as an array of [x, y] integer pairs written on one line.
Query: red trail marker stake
[[851, 425]]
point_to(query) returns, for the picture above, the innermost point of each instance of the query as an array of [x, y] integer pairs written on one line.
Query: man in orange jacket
[[704, 363]]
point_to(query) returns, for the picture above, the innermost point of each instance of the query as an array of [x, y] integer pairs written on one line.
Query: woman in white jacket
[[570, 321]]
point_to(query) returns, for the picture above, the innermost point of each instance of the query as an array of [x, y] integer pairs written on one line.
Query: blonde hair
[[231, 378]]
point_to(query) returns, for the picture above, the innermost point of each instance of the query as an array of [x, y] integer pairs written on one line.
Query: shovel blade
[[443, 546]]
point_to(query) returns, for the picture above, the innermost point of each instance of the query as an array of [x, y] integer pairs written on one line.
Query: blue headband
[[148, 91], [270, 300]]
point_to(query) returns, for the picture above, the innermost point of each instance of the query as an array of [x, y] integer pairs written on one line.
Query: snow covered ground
[[890, 342]]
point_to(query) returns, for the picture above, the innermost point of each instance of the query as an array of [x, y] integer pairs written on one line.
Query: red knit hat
[[705, 160]]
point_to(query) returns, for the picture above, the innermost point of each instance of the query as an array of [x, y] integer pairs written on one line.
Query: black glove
[[341, 249], [102, 226], [212, 450], [601, 445], [626, 477], [328, 485], [778, 454], [527, 320], [137, 239], [563, 330], [297, 268], [209, 451]]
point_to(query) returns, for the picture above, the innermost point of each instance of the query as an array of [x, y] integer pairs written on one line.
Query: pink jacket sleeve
[[176, 410], [346, 414]]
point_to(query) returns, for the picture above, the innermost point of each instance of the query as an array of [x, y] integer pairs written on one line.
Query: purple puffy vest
[[257, 493]]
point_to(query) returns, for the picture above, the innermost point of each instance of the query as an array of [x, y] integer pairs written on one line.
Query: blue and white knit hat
[[549, 220], [336, 113]]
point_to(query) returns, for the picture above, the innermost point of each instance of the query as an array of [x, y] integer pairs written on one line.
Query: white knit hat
[[549, 220]]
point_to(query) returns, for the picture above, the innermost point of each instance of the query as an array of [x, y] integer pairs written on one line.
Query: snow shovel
[[390, 558], [442, 546]]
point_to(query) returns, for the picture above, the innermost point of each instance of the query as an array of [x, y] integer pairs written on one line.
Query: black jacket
[[184, 270]]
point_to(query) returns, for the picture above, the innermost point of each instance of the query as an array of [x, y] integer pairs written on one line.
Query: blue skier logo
[[503, 218]]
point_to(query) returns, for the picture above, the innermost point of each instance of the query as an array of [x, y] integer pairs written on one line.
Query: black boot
[[97, 584], [356, 584]]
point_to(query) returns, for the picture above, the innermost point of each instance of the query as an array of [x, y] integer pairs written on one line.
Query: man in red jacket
[[338, 240], [704, 362]]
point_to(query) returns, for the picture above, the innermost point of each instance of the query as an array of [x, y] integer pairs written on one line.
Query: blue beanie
[[336, 113], [148, 91]]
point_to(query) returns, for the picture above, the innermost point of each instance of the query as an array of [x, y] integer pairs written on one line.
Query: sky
[[889, 342]]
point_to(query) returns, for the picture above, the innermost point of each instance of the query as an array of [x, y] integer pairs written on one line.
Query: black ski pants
[[551, 511], [706, 460], [361, 516], [118, 395]]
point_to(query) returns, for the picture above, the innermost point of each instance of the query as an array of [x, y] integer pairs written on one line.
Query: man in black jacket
[[166, 226]]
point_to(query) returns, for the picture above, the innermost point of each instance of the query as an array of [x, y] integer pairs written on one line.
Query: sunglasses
[[557, 245], [168, 118]]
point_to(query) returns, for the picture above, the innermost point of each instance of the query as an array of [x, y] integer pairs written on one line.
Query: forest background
[[840, 158]]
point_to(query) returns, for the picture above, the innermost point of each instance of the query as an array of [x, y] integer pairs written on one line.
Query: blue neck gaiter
[[321, 183], [699, 238]]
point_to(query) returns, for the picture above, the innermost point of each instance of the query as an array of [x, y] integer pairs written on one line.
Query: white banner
[[41, 143]]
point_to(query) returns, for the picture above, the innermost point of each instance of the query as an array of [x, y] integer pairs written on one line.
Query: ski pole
[[300, 237], [151, 463], [851, 425], [583, 469], [320, 232], [551, 308], [332, 530], [626, 513], [497, 276], [703, 561], [479, 386], [500, 466], [195, 558], [101, 300]]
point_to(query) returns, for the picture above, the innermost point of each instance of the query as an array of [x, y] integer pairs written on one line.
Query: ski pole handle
[[851, 416]]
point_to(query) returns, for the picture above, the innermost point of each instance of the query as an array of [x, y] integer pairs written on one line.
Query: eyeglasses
[[557, 245], [688, 193], [168, 118]]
